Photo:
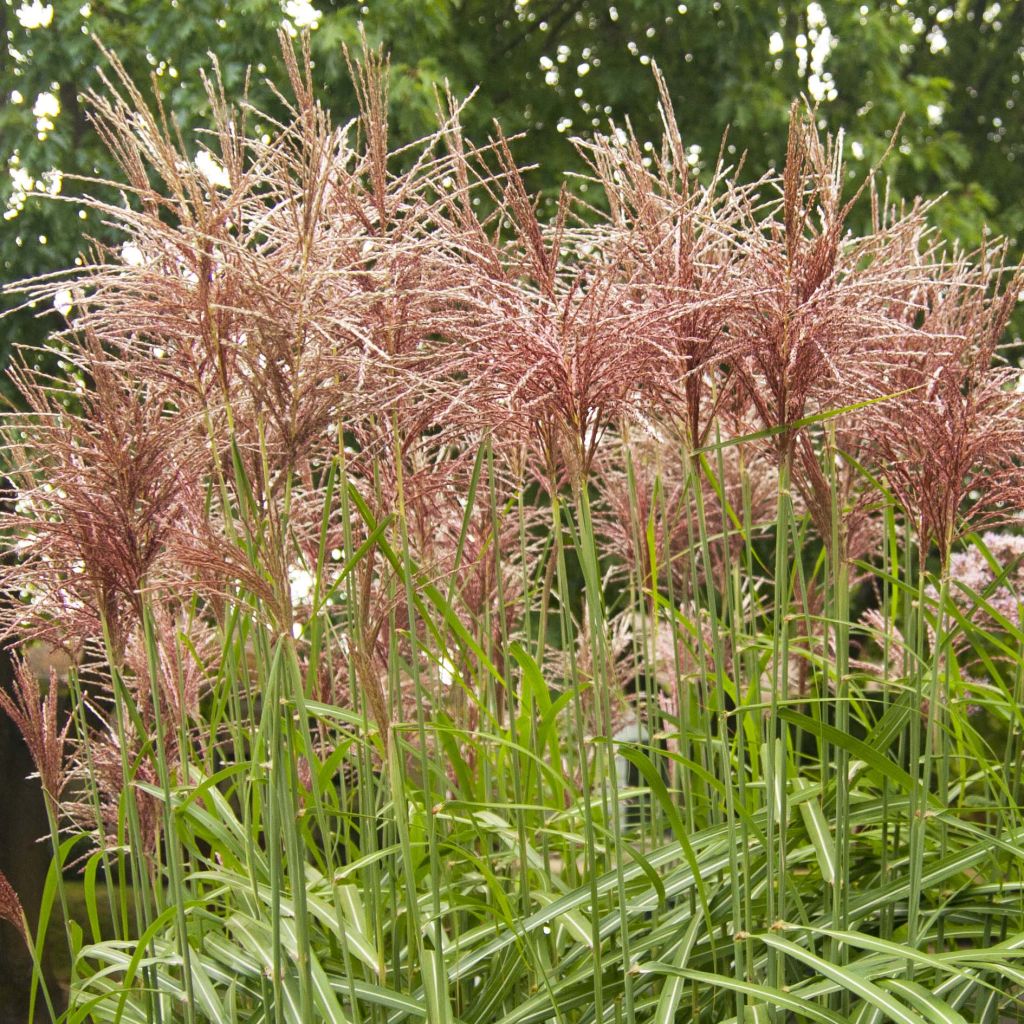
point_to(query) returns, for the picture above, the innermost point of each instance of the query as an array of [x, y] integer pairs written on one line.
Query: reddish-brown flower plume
[[11, 909], [950, 444], [556, 345], [675, 242], [35, 715], [821, 303], [99, 491]]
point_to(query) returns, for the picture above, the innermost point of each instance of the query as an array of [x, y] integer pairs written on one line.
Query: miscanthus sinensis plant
[[483, 617]]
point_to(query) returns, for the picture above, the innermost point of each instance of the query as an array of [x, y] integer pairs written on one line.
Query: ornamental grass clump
[[480, 616]]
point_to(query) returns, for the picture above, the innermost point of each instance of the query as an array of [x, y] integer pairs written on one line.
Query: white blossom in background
[[301, 582], [445, 672], [45, 108], [46, 105], [211, 170], [820, 83], [62, 302], [52, 181], [131, 255], [35, 15], [936, 40], [298, 15], [22, 183]]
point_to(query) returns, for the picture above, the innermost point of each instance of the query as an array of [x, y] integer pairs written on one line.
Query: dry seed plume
[[305, 346]]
